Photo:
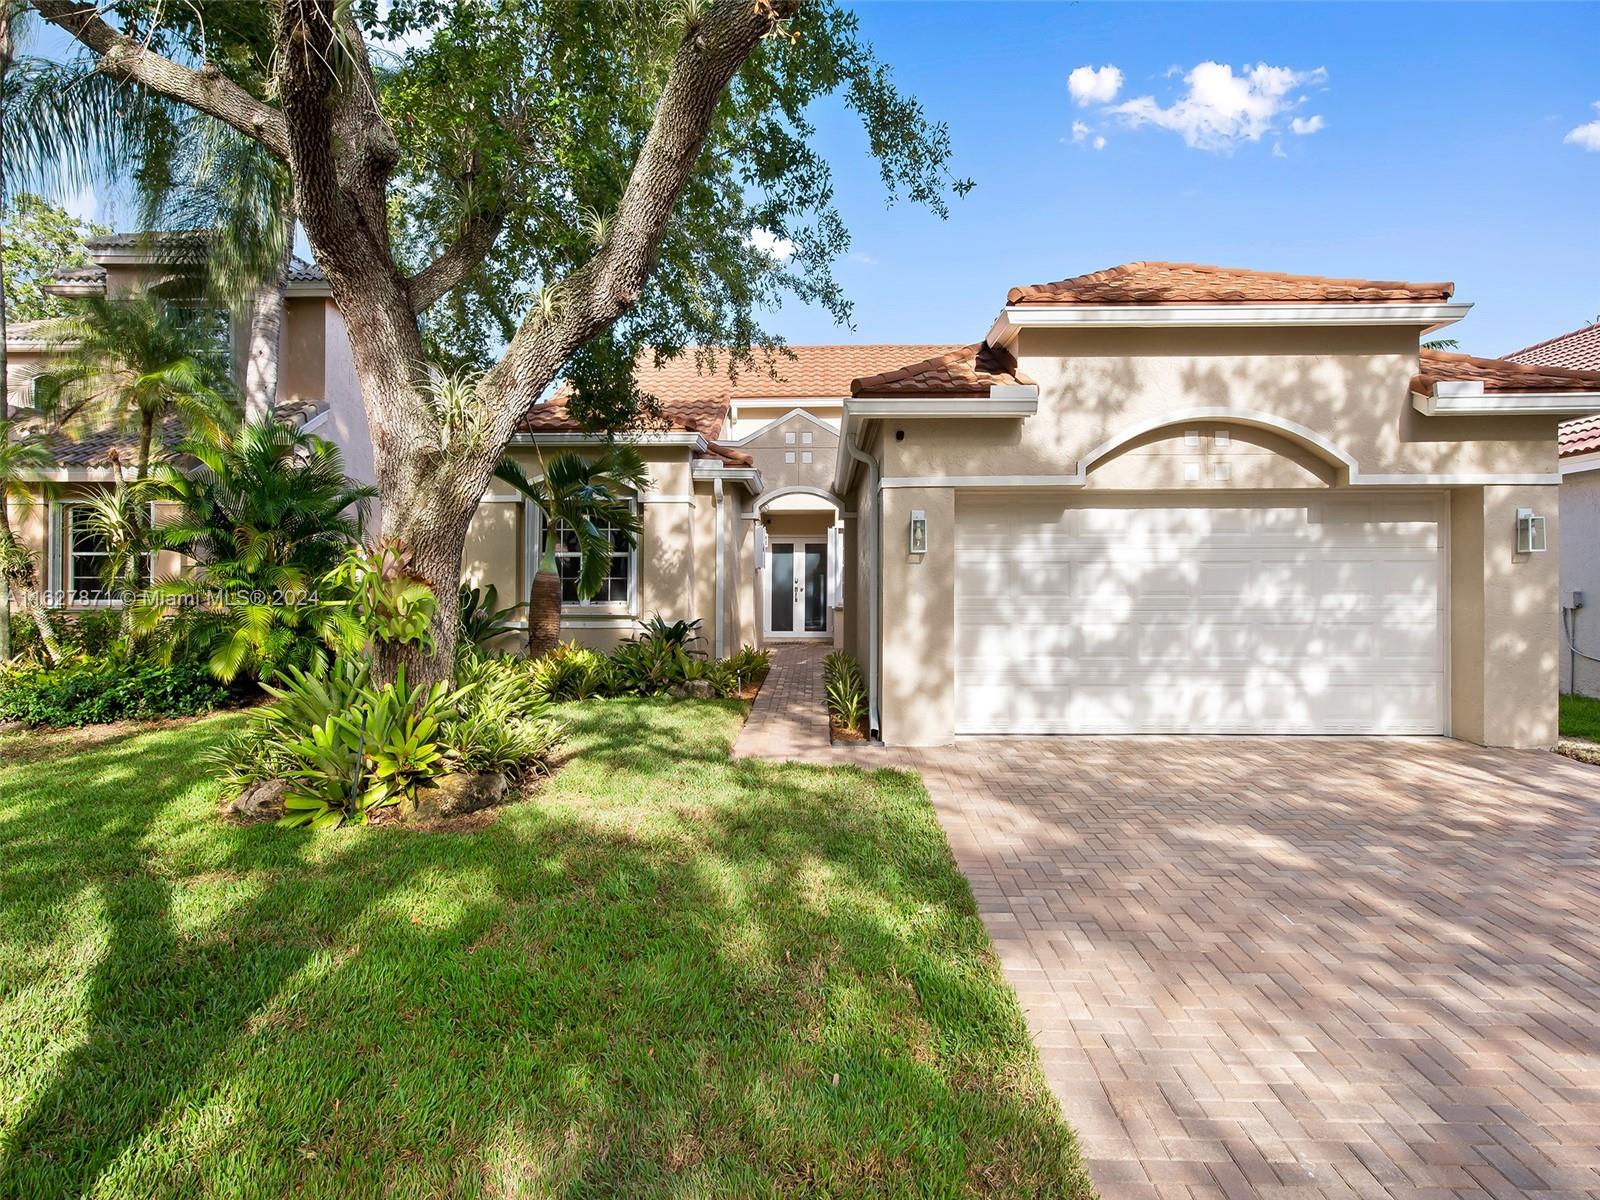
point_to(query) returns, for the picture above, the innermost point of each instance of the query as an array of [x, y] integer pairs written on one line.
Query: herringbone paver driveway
[[1299, 968]]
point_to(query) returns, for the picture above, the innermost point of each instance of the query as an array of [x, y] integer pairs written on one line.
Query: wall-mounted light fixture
[[919, 531], [1530, 532]]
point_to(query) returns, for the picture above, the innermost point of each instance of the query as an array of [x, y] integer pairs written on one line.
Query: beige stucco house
[[1161, 498], [1579, 450]]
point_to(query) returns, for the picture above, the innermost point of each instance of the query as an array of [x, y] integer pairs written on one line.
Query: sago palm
[[141, 358], [265, 513], [580, 494]]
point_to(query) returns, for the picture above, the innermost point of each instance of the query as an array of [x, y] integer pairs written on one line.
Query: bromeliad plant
[[483, 621], [845, 689]]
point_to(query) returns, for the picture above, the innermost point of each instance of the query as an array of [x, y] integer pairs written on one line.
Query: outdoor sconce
[[1530, 532], [919, 531]]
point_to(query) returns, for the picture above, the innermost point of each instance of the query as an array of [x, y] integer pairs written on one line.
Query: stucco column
[[1504, 619], [919, 615]]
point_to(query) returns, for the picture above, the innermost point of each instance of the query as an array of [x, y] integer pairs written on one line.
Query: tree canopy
[[40, 238]]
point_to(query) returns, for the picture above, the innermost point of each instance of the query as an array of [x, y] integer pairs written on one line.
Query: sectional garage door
[[1266, 614]]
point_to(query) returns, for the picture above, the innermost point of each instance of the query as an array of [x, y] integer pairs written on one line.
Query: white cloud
[[1099, 143], [1305, 125], [1587, 136], [84, 205], [1079, 131], [1278, 151], [778, 249], [1221, 109], [865, 259], [1094, 85]]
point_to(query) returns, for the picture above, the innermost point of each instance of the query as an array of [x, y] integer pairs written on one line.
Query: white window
[[805, 456], [788, 455], [806, 438], [788, 439], [616, 590], [84, 557]]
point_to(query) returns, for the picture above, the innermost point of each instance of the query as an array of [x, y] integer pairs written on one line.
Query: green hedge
[[96, 691]]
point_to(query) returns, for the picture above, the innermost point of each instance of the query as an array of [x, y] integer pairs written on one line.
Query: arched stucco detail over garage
[[1292, 430]]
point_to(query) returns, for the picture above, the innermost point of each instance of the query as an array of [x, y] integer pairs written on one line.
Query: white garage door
[[1215, 615]]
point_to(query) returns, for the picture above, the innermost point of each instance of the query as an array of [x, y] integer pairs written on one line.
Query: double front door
[[797, 588]]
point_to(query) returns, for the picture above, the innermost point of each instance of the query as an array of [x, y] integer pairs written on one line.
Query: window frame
[[64, 556], [628, 607]]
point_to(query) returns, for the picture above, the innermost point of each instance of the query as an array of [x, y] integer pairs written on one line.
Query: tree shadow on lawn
[[669, 973]]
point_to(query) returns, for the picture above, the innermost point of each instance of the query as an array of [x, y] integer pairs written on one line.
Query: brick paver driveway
[[1299, 967]]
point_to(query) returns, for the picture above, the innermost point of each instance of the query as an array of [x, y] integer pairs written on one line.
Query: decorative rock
[[457, 793], [695, 689], [260, 801]]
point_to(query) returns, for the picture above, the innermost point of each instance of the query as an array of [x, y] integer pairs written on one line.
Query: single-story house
[[1579, 450], [1160, 498]]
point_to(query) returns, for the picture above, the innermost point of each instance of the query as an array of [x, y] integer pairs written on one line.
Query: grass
[[1580, 717], [668, 975]]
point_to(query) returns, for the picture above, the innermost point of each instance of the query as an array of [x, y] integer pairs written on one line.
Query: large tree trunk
[[7, 50]]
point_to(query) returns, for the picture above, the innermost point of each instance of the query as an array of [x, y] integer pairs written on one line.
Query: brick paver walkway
[[1298, 968], [789, 720]]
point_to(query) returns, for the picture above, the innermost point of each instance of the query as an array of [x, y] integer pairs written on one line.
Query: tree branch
[[205, 90], [457, 261], [610, 283]]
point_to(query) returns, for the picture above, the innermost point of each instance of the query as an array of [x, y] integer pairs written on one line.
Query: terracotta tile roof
[[727, 455], [79, 447], [1576, 351], [695, 393], [966, 371], [1193, 283], [1580, 437], [1498, 375]]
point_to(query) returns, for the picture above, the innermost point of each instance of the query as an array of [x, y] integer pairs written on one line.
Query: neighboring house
[[1580, 514], [316, 386]]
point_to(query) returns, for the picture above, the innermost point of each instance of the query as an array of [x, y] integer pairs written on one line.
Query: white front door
[[797, 588], [1231, 613]]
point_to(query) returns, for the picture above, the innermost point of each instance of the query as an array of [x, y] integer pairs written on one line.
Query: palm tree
[[20, 450], [579, 495], [143, 358], [265, 512]]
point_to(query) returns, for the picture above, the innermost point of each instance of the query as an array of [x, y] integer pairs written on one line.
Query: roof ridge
[[1550, 341], [1426, 353], [1064, 290]]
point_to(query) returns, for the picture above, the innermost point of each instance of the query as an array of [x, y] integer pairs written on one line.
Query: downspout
[[874, 582], [722, 562]]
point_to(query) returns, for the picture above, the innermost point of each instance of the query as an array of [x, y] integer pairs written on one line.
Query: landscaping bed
[[663, 973]]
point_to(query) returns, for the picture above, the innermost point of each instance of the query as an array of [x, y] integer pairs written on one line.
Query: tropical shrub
[[748, 663], [845, 689], [571, 672], [94, 691], [348, 747], [390, 602], [266, 513], [483, 622], [680, 635]]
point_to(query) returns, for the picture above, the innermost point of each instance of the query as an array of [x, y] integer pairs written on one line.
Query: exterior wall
[[346, 423], [769, 450], [1349, 387], [1580, 571], [1503, 619]]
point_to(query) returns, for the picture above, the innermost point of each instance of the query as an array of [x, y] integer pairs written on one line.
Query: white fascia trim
[[316, 422], [1504, 404], [949, 406], [668, 437], [68, 475], [307, 287], [1577, 464], [1078, 481], [74, 290], [749, 476], [1015, 317], [793, 412]]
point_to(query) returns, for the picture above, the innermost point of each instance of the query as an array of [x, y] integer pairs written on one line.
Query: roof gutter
[[1469, 398], [874, 580]]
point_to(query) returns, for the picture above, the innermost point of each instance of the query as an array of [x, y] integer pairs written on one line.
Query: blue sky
[[1440, 156]]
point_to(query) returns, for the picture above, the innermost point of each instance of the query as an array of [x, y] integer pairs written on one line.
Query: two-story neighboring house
[[316, 386]]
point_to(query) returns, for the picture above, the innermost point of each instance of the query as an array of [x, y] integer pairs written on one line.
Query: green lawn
[[1580, 717], [669, 974]]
